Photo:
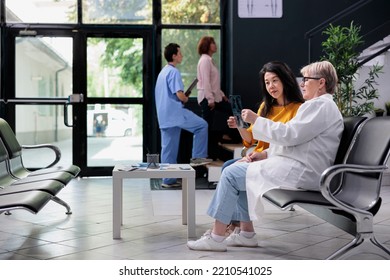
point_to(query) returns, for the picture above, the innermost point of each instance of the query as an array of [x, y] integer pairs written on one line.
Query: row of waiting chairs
[[350, 190], [21, 188]]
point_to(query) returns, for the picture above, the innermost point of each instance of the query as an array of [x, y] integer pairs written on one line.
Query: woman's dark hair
[[291, 90], [170, 50], [204, 44]]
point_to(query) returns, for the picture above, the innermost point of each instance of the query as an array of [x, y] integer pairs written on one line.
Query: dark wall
[[253, 42]]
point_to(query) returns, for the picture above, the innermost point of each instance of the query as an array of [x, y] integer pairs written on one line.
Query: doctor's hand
[[249, 116]]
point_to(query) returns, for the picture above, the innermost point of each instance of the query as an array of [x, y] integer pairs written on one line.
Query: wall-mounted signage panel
[[260, 8]]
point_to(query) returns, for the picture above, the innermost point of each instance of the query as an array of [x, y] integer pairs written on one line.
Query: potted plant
[[340, 49], [379, 112], [387, 106]]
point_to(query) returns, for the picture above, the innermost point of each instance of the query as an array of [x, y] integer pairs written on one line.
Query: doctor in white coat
[[300, 150]]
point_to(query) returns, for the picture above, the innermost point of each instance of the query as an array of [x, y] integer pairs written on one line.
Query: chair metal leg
[[364, 243], [63, 203]]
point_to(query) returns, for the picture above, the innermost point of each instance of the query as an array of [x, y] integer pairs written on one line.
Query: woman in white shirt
[[211, 98], [300, 150]]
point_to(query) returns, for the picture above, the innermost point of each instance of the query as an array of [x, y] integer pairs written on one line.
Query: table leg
[[189, 191], [184, 202], [117, 206]]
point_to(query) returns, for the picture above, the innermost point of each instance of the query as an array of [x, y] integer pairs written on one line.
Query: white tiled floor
[[152, 228]]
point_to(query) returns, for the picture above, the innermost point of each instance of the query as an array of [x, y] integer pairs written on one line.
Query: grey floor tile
[[47, 251], [151, 231]]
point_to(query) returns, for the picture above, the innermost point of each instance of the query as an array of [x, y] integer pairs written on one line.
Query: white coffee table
[[172, 171]]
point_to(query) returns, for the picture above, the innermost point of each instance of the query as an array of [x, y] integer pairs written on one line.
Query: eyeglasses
[[305, 79]]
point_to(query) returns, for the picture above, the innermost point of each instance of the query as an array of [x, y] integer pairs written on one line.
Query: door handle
[[73, 98]]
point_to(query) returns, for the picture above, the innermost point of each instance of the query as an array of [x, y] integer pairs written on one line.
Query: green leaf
[[340, 48]]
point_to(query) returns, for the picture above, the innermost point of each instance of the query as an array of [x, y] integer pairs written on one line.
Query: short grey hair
[[323, 69]]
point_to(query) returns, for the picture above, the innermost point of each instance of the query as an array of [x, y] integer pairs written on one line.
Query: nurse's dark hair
[[291, 90], [170, 50]]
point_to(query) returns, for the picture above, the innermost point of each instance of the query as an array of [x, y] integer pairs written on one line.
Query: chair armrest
[[54, 148], [334, 170]]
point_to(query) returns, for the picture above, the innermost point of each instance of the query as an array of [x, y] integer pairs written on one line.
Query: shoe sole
[[247, 246], [207, 250], [199, 164], [171, 187], [201, 161]]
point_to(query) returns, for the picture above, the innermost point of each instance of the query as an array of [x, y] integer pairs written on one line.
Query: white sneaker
[[207, 243], [237, 240]]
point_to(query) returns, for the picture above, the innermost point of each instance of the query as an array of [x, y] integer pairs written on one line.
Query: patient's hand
[[254, 156]]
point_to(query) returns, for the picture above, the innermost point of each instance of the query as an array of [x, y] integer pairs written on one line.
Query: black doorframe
[[9, 34], [79, 32], [80, 35], [80, 85]]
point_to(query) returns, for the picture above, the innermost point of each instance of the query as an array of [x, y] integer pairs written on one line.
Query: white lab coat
[[300, 150]]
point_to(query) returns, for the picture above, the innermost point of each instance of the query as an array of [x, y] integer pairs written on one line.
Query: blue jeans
[[229, 162], [170, 139], [229, 201]]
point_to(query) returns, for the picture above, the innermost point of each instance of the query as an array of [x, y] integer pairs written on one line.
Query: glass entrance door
[[43, 81], [102, 50], [108, 125], [116, 84], [114, 129]]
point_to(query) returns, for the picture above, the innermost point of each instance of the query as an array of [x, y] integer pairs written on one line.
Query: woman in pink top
[[213, 102]]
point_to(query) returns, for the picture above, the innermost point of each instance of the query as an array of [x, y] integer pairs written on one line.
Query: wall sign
[[260, 8]]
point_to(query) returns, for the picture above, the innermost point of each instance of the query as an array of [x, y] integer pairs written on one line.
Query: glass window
[[114, 67], [190, 12], [188, 40], [114, 134], [117, 11], [43, 67], [41, 11], [41, 124]]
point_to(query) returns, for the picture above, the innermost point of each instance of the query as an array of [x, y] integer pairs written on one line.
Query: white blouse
[[209, 82]]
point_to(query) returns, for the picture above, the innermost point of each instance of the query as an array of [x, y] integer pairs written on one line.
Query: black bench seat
[[32, 201], [349, 195]]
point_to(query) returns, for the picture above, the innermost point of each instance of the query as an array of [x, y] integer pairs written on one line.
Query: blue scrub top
[[169, 107]]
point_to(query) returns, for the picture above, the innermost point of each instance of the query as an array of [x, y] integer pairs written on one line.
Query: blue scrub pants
[[230, 202], [170, 139]]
